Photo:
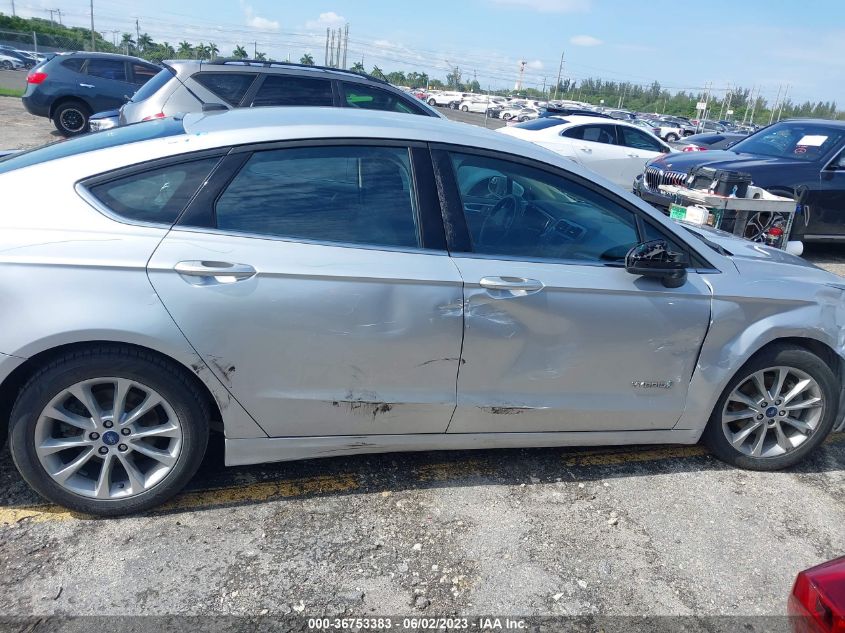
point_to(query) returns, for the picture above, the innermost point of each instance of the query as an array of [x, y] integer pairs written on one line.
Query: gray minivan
[[196, 85]]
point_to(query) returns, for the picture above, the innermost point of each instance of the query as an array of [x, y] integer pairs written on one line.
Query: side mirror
[[654, 259]]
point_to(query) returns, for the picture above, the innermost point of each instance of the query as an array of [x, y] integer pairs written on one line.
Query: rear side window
[[636, 139], [593, 133], [288, 90], [152, 86], [90, 142], [231, 87], [359, 195], [156, 195], [74, 64], [107, 69], [370, 98]]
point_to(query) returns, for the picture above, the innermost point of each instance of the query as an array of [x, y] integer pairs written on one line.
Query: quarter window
[[519, 211], [158, 195], [359, 195], [289, 90], [107, 69], [231, 87]]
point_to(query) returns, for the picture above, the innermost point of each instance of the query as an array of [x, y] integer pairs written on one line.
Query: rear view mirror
[[654, 259]]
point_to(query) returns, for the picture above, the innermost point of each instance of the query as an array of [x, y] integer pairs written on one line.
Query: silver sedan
[[315, 282]]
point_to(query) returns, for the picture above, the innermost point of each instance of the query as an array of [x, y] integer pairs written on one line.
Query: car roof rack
[[274, 64]]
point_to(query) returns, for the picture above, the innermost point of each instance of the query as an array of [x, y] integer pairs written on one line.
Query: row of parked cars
[[12, 58]]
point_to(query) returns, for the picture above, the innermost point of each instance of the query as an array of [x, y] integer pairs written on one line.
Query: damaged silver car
[[316, 282]]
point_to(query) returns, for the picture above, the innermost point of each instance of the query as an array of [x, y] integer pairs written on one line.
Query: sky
[[795, 45]]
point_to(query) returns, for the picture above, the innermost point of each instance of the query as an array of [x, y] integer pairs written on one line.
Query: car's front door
[[640, 147], [558, 336], [825, 201], [318, 289]]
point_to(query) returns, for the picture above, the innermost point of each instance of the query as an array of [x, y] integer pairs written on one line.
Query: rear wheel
[[506, 116], [777, 409], [671, 137], [465, 108], [108, 431], [7, 65], [432, 102], [71, 118]]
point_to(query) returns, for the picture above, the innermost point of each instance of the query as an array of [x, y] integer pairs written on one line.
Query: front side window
[[515, 210], [156, 195], [357, 195], [231, 87], [290, 90], [369, 98], [107, 69], [593, 133], [638, 140]]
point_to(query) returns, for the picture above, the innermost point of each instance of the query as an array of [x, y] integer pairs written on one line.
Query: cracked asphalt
[[633, 531]]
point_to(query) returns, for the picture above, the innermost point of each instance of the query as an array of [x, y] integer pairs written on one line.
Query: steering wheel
[[500, 220]]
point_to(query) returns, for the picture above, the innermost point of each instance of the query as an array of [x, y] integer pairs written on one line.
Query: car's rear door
[[639, 148], [558, 336], [596, 148], [317, 287]]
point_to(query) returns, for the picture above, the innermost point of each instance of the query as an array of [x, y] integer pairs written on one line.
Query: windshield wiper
[[716, 247]]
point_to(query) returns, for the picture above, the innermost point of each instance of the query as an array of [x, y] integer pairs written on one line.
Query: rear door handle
[[86, 85], [517, 286], [222, 272], [585, 149]]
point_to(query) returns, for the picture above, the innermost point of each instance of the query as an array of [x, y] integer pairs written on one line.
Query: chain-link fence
[[44, 43]]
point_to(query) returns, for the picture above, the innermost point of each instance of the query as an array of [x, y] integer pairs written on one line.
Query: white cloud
[[256, 21], [585, 40], [534, 65], [548, 6], [329, 19]]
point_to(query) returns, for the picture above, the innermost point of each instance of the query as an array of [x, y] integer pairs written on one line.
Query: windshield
[[793, 139], [152, 86], [146, 131]]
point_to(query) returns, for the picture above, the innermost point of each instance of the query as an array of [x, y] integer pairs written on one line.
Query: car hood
[[722, 159], [764, 262]]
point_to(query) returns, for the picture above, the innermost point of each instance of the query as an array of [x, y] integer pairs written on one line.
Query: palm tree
[[168, 50], [201, 51], [127, 43], [145, 42], [213, 49], [377, 73], [261, 56], [307, 60], [185, 49], [239, 52], [358, 67]]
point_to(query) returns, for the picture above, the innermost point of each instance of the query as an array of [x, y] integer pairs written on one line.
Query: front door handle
[[516, 286], [86, 85], [586, 149], [222, 272]]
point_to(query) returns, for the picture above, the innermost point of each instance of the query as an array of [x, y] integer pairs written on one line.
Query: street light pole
[[559, 73]]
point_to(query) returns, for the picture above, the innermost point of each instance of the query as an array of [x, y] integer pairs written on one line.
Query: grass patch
[[11, 92]]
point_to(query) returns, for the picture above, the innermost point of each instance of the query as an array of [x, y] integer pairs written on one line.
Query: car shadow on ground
[[217, 486]]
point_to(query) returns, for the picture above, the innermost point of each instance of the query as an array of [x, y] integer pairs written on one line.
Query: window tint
[[287, 90], [369, 98], [123, 135], [152, 86], [230, 87], [107, 69], [637, 139], [74, 64], [541, 124], [519, 211], [594, 133], [157, 195], [361, 195], [141, 73]]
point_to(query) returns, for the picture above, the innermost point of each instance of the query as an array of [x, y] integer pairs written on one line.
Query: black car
[[804, 159], [70, 87], [711, 141]]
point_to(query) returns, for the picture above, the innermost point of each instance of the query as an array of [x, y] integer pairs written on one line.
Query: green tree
[[201, 51], [213, 49], [185, 50], [377, 73], [261, 56], [358, 67], [127, 44], [145, 42], [167, 50], [239, 52], [397, 78], [307, 59]]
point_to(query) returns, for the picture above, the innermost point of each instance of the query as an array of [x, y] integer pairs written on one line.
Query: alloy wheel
[[72, 120], [759, 224], [772, 412], [108, 438]]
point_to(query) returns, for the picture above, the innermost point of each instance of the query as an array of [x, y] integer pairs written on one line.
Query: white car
[[614, 149], [10, 63], [668, 131], [446, 97], [476, 104]]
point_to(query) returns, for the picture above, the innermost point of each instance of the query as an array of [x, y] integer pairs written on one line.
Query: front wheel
[[108, 431], [671, 137], [432, 102], [777, 409], [71, 118], [7, 65], [506, 116], [465, 108]]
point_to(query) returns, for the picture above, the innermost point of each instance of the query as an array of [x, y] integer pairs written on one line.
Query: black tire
[[71, 118], [780, 355], [7, 65], [506, 116], [671, 137], [465, 108], [432, 102], [168, 379]]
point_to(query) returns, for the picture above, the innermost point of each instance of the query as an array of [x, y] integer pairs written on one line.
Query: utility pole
[[13, 8], [331, 51], [754, 105], [544, 89], [326, 58], [782, 101], [559, 73], [137, 36], [345, 44], [93, 44], [51, 12], [521, 75], [777, 100], [254, 50]]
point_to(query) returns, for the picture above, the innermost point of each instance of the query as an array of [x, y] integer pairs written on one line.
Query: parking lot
[[634, 531]]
